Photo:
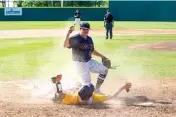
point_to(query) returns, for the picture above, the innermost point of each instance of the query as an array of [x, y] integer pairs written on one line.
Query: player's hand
[[71, 29], [127, 86]]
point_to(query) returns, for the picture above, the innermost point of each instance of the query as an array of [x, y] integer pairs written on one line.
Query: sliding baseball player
[[85, 95]]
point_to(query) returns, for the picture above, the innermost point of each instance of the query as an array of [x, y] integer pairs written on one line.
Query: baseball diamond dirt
[[171, 46], [59, 32], [149, 97]]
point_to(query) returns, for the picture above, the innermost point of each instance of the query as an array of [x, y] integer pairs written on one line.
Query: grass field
[[34, 57], [94, 25], [27, 64]]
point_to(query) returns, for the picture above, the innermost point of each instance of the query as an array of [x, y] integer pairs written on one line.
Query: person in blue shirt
[[109, 23], [82, 50]]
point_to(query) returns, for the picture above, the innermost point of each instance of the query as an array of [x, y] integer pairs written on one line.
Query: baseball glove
[[106, 62]]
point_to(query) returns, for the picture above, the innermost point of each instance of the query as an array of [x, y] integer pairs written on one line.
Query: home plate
[[144, 104]]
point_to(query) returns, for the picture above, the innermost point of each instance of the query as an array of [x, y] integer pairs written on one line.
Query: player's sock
[[100, 81]]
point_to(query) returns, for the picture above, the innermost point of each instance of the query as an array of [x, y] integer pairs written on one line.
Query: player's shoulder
[[76, 36], [106, 14], [111, 14], [90, 38]]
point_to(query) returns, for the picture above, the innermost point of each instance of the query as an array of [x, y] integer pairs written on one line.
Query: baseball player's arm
[[112, 20], [104, 20], [61, 95], [67, 39], [126, 86], [66, 42], [115, 94], [95, 53]]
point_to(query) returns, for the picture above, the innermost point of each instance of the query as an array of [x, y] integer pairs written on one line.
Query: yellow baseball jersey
[[74, 98]]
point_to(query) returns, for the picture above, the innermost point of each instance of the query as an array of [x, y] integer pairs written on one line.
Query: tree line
[[54, 3]]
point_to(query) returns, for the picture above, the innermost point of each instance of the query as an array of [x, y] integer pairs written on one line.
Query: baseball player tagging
[[82, 48]]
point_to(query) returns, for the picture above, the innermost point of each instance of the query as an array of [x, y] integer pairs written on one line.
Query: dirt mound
[[171, 46], [149, 100]]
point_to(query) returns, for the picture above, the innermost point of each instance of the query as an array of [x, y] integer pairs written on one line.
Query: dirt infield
[[16, 101], [17, 98], [170, 46], [61, 33]]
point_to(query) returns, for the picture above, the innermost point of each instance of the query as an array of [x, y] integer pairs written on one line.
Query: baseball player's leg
[[110, 33], [110, 30], [79, 21], [107, 33], [83, 71], [108, 27], [97, 67], [75, 22]]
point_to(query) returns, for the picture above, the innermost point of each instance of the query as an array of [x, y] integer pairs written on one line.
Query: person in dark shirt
[[108, 23], [82, 48], [77, 17]]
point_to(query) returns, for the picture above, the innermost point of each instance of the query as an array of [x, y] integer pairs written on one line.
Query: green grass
[[94, 25], [42, 57], [139, 63]]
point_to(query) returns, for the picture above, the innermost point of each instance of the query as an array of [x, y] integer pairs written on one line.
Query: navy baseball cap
[[86, 92], [85, 25]]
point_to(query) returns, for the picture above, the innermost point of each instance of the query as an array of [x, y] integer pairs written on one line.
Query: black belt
[[82, 61]]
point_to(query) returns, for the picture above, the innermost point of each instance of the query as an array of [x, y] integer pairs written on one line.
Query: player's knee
[[105, 71]]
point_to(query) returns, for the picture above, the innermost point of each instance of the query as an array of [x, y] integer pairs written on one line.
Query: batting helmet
[[86, 92]]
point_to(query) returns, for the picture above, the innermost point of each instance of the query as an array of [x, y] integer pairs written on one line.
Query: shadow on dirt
[[141, 101], [95, 106]]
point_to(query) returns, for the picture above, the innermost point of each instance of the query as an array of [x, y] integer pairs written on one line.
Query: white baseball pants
[[77, 21], [84, 69]]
